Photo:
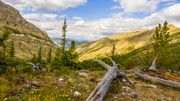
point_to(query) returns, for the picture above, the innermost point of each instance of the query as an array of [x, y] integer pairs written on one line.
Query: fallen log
[[160, 76], [112, 73], [158, 80]]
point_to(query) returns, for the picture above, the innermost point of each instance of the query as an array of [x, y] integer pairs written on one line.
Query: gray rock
[[83, 74], [77, 94], [127, 89], [133, 95]]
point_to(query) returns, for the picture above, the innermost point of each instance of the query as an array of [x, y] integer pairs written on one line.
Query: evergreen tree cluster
[[64, 56]]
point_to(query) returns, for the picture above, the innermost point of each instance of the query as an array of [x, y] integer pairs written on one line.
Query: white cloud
[[45, 4], [81, 29], [55, 4], [77, 18], [40, 17], [172, 12], [140, 5], [18, 4]]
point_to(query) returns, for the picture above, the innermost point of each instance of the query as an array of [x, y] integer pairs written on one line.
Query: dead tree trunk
[[156, 79], [153, 66], [101, 89]]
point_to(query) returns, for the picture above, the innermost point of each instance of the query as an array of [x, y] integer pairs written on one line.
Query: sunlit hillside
[[125, 42]]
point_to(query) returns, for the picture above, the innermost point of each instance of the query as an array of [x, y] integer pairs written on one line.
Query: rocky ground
[[76, 85]]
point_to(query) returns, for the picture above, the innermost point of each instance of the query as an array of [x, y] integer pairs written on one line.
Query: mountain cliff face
[[125, 42], [27, 36]]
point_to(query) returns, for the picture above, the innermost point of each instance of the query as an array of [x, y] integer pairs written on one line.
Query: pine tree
[[6, 33], [161, 38], [34, 59], [71, 55], [12, 52], [49, 56], [161, 41], [113, 51], [73, 45], [57, 54], [39, 55], [63, 43]]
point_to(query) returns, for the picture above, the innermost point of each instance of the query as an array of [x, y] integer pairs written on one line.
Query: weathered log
[[158, 80], [101, 89]]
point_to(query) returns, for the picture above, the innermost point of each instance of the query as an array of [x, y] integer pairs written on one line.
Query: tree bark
[[101, 89]]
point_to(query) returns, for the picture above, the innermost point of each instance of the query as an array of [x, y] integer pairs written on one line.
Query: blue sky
[[95, 19]]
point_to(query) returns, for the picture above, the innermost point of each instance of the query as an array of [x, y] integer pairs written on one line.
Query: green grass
[[51, 89]]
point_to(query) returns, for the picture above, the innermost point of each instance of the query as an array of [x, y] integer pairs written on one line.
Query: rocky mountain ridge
[[27, 36]]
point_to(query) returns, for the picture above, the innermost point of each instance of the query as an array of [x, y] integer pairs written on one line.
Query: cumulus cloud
[[40, 17], [139, 5], [45, 4], [172, 12], [81, 29]]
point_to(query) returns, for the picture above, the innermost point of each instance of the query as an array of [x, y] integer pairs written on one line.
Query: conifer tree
[[73, 45], [34, 59], [63, 43], [161, 38], [113, 51], [161, 41], [71, 56], [12, 52], [49, 57], [39, 55], [6, 33]]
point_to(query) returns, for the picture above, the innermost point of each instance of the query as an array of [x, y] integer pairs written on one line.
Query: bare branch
[[32, 64], [122, 75], [103, 64], [113, 62]]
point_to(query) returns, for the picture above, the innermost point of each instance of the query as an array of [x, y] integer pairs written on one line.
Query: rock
[[123, 93], [70, 80], [83, 74], [60, 79], [133, 95], [92, 79], [34, 85], [115, 97], [5, 99], [77, 94], [127, 89]]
